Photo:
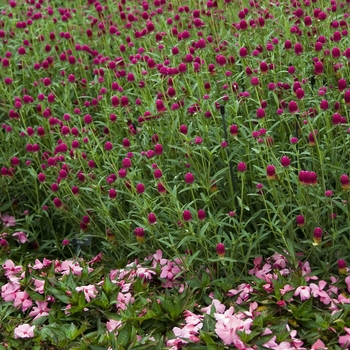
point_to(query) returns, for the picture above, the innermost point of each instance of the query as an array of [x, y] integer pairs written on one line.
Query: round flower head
[[187, 216], [220, 249], [201, 214], [345, 182], [271, 172], [140, 234], [189, 178], [300, 220], [342, 267], [242, 167], [152, 219], [317, 236], [285, 161]]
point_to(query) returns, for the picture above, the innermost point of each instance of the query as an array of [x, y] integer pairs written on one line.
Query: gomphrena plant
[[136, 126]]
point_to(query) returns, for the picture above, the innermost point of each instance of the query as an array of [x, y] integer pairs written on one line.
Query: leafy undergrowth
[[156, 303]]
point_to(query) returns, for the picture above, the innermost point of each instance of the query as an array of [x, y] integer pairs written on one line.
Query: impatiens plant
[[215, 132]]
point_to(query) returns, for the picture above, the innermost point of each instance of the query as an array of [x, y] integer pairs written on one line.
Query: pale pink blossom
[[24, 331], [257, 262], [303, 292], [39, 284], [226, 315], [113, 326], [188, 332], [220, 308], [169, 271], [192, 318], [265, 270], [295, 341], [252, 310], [123, 300], [69, 266], [8, 220], [226, 329], [158, 259], [124, 287], [279, 261], [344, 340], [317, 291], [287, 288], [9, 291], [22, 299], [306, 270], [21, 236], [144, 272], [332, 288], [319, 345], [39, 265], [40, 310], [243, 290], [90, 291], [347, 281], [11, 269], [67, 308]]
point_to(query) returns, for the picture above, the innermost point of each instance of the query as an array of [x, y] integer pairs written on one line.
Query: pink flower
[[8, 220], [90, 291], [144, 273], [226, 329], [219, 308], [347, 281], [24, 331], [344, 340], [11, 269], [286, 288], [22, 299], [9, 291], [113, 325], [169, 271], [39, 265], [317, 291], [21, 236], [303, 292], [157, 259], [69, 266], [123, 300], [319, 345], [39, 284], [40, 310]]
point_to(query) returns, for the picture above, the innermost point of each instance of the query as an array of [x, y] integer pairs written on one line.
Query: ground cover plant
[[174, 174]]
